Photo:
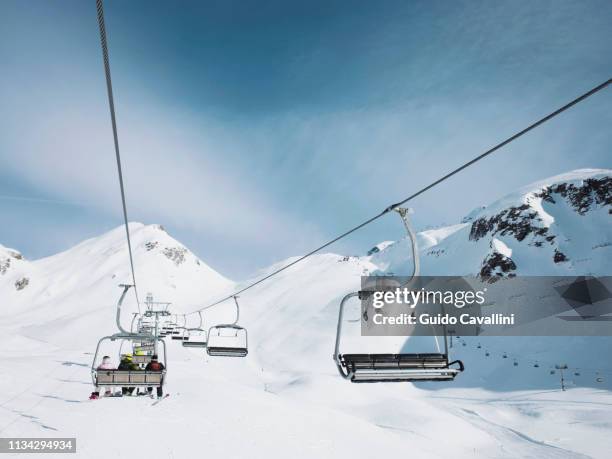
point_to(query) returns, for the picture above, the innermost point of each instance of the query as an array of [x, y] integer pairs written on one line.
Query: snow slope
[[285, 398]]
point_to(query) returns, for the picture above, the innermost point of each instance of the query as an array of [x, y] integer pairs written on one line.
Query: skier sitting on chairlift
[[105, 365], [126, 364], [155, 365]]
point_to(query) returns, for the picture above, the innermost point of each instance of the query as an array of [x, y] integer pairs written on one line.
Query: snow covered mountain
[[559, 226], [82, 282], [286, 398]]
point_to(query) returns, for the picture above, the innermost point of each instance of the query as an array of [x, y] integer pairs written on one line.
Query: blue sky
[[255, 130]]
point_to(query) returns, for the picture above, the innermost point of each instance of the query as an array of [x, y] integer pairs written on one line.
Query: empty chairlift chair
[[373, 368], [196, 337], [393, 367], [178, 332], [228, 340], [181, 335]]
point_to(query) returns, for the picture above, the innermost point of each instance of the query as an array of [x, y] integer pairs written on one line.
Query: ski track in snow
[[503, 432]]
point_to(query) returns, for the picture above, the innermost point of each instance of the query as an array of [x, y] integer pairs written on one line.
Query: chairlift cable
[[111, 103], [418, 193]]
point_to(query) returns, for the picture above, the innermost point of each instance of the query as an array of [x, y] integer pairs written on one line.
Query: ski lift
[[180, 334], [156, 308], [228, 340], [123, 378], [196, 337], [402, 367]]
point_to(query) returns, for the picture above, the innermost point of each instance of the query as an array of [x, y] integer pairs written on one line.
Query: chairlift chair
[[403, 367], [195, 337], [127, 378], [180, 335], [224, 345]]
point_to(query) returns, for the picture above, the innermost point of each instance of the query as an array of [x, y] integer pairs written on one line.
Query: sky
[[256, 130]]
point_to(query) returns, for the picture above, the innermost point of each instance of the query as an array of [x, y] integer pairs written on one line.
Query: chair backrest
[[140, 359], [128, 378]]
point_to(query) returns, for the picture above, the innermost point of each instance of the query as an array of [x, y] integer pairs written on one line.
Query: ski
[[160, 399]]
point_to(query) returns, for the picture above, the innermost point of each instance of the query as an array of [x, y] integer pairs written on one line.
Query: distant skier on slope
[[155, 365]]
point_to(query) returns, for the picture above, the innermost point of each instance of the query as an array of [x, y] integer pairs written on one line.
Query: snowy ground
[[235, 408]]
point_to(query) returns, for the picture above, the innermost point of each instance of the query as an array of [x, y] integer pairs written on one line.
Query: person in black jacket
[[126, 364], [155, 365]]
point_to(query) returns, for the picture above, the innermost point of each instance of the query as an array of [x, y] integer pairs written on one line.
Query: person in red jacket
[[155, 365]]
